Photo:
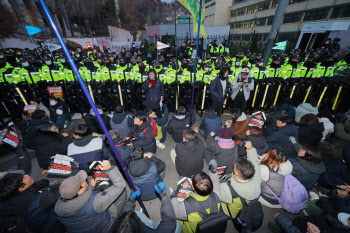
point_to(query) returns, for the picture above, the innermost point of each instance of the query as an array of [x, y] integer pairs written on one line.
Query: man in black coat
[[218, 88], [179, 123], [92, 122]]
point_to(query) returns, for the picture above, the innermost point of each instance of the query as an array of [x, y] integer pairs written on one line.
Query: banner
[[161, 45], [28, 108], [281, 45], [193, 6], [55, 91], [33, 30], [53, 47]]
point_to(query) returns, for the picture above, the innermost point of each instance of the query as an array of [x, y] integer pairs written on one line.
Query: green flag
[[193, 6], [281, 45]]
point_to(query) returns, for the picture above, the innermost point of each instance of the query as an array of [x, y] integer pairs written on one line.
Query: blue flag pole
[[195, 63], [86, 92]]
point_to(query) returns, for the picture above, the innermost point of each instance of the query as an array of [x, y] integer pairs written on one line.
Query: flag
[[53, 47], [161, 45], [33, 30], [193, 6], [281, 45]]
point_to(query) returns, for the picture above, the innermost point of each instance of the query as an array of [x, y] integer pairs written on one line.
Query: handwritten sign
[[55, 91]]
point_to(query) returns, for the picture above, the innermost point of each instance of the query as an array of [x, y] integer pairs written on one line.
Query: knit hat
[[258, 119], [70, 186], [226, 133]]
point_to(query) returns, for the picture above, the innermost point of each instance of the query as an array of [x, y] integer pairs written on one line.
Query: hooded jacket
[[210, 123], [304, 109], [311, 134], [122, 123], [94, 125], [177, 125], [148, 143], [259, 143], [189, 157], [246, 90]]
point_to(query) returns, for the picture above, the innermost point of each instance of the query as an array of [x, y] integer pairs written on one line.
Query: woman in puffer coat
[[310, 130], [255, 135], [273, 168]]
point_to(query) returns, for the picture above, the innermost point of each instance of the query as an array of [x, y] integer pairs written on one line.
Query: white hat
[[245, 70]]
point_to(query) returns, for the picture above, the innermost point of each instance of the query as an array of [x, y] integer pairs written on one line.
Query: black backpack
[[250, 217], [215, 222]]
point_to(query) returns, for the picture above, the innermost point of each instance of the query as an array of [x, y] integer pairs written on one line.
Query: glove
[[135, 194], [292, 140], [160, 188], [213, 166]]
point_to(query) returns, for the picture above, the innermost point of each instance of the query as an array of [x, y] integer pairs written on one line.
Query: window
[[239, 25], [295, 1], [251, 9], [240, 11], [292, 18], [316, 15], [260, 22], [233, 13], [341, 12], [274, 4], [269, 20], [264, 6], [248, 24]]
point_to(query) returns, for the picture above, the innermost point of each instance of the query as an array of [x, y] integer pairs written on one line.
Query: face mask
[[94, 51], [62, 60], [48, 63], [238, 63], [1, 56], [261, 64], [52, 103], [199, 61], [141, 46], [78, 55], [25, 64], [73, 53], [19, 53], [78, 50], [133, 46], [49, 55], [206, 69], [327, 42]]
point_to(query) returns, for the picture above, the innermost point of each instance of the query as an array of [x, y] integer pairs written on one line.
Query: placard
[[30, 108], [11, 139], [222, 172], [98, 174], [55, 91]]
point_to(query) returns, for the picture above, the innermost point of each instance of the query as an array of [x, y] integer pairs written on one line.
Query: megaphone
[[152, 81]]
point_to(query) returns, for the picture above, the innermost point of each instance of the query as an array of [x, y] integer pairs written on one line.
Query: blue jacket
[[122, 123], [216, 91], [87, 220], [211, 123], [280, 139], [154, 92], [147, 182], [289, 108]]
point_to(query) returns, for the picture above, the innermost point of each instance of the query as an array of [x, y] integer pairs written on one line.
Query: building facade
[[254, 17]]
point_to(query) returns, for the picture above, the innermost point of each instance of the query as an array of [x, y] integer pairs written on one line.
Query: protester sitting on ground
[[310, 130], [280, 138], [223, 149], [94, 125], [85, 148], [40, 106], [245, 182], [189, 154], [143, 133], [239, 124], [59, 113], [27, 205], [81, 209], [274, 166], [49, 142], [179, 123], [121, 122], [334, 202], [206, 192], [31, 127], [288, 106], [325, 117], [146, 171], [308, 165], [256, 137], [306, 108], [161, 129], [130, 220], [342, 134], [123, 150], [211, 123]]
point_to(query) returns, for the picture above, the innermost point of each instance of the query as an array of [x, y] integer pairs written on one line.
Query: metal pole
[[277, 20], [189, 27], [195, 63], [86, 92], [177, 63], [35, 47]]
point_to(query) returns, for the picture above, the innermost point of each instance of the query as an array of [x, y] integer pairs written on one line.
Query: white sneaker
[[313, 196], [160, 145]]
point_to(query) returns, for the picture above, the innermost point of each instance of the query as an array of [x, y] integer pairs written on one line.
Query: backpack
[[154, 127], [250, 217], [294, 196], [215, 222]]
